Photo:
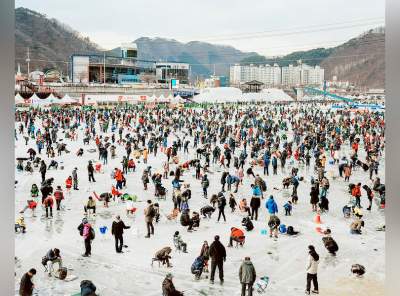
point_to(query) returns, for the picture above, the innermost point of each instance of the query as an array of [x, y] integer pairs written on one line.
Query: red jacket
[[58, 195], [356, 192]]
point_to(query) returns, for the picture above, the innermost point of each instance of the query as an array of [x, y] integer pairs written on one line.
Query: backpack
[[263, 185], [290, 230], [198, 264], [92, 234]]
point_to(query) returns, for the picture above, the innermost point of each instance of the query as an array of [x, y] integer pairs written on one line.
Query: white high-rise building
[[273, 76]]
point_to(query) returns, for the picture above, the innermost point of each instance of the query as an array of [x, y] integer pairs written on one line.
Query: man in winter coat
[[117, 230], [221, 206], [205, 183], [59, 196], [267, 159], [271, 206], [312, 269], [90, 169], [168, 287], [149, 214], [218, 256], [223, 180], [26, 286], [247, 276], [75, 178]]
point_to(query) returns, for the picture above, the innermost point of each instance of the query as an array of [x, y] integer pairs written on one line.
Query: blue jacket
[[175, 183], [257, 191], [267, 159], [271, 206], [287, 206]]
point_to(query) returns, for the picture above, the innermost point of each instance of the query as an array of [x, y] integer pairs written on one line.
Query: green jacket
[[247, 273]]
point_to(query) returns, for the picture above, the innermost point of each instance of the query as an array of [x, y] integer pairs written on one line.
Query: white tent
[[36, 101], [20, 100], [67, 100], [162, 99]]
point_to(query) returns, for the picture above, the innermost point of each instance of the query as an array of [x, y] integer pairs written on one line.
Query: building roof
[[254, 82]]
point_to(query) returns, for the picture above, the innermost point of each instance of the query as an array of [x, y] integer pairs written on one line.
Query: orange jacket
[[118, 175], [356, 192], [236, 232], [115, 191]]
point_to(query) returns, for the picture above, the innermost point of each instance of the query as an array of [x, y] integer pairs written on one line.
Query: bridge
[[315, 91]]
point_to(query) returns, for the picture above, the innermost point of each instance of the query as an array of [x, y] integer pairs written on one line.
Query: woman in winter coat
[[314, 198], [255, 201], [312, 270], [205, 252]]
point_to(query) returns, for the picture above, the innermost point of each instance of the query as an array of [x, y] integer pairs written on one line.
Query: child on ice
[[288, 208]]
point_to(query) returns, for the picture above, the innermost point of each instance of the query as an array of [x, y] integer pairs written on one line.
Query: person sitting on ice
[[355, 226], [20, 225], [246, 222], [28, 167], [207, 211], [243, 207], [131, 165], [329, 243], [34, 191], [196, 219], [163, 256], [90, 205], [197, 267], [53, 164], [79, 152], [186, 220], [179, 243], [52, 256]]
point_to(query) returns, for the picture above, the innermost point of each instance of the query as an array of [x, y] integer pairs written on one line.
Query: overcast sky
[[269, 27]]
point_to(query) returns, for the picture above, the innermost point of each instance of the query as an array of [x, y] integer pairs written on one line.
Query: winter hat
[[176, 232], [84, 220], [169, 275], [216, 237]]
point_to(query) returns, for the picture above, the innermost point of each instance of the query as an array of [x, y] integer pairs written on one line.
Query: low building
[[167, 71]]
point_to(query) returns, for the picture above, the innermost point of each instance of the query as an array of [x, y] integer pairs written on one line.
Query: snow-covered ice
[[130, 273]]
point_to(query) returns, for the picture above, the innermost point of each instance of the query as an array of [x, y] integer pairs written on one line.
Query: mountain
[[310, 57], [361, 60], [202, 56], [50, 42]]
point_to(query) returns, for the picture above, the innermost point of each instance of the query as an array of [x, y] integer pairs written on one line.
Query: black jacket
[[117, 228], [217, 251], [26, 285]]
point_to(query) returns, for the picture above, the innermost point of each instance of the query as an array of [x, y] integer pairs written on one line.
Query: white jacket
[[312, 266]]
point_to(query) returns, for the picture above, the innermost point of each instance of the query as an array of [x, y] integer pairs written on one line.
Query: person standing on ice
[[247, 276], [26, 286], [117, 230], [271, 206], [149, 214], [221, 206], [90, 169], [312, 270], [217, 253], [75, 178], [87, 232], [42, 170]]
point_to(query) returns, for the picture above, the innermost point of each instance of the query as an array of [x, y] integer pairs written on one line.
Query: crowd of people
[[230, 152]]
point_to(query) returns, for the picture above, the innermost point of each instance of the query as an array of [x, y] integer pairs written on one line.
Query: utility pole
[[28, 61], [104, 69]]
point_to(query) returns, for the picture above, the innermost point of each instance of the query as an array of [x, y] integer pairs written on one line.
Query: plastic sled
[[262, 284]]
